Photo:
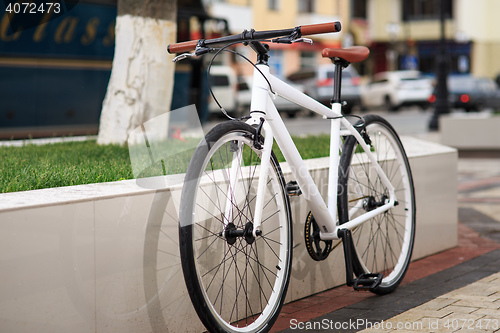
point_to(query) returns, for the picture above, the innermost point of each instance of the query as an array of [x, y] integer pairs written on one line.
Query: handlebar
[[321, 28], [246, 36], [182, 47]]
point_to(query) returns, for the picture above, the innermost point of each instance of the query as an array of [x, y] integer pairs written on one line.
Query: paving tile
[[291, 308], [459, 308], [435, 314], [410, 316], [304, 315], [360, 294], [436, 289], [339, 291], [489, 322], [491, 297], [437, 304], [433, 325], [480, 291], [488, 312], [462, 317], [478, 304], [378, 314], [496, 295], [334, 304]]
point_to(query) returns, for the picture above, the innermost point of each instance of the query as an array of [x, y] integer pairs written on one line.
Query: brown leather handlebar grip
[[321, 28], [182, 47]]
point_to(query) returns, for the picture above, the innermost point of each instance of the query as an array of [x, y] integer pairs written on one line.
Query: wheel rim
[[383, 244], [242, 281]]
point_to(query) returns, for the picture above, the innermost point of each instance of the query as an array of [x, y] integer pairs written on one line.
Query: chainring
[[317, 248]]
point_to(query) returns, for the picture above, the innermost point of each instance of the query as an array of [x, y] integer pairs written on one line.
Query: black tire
[[388, 105], [383, 244], [240, 286]]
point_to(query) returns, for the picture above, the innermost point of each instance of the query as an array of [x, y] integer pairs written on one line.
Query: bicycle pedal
[[367, 281], [292, 188]]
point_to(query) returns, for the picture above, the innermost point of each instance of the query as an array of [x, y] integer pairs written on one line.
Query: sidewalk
[[454, 290]]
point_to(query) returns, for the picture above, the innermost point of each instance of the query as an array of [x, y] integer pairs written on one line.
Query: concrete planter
[[471, 131], [104, 257]]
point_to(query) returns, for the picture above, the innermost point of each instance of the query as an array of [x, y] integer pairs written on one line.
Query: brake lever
[[303, 40], [200, 50], [183, 56]]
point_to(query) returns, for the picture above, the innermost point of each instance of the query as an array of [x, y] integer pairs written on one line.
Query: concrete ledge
[[475, 131], [104, 257]]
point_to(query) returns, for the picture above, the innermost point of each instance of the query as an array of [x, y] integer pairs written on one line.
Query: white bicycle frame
[[262, 106]]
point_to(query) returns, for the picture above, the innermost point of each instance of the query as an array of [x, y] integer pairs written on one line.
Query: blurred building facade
[[402, 34], [280, 14], [405, 34], [53, 75]]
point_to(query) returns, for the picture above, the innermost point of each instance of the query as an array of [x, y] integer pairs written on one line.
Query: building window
[[307, 59], [273, 4], [276, 61], [359, 9], [426, 9], [306, 6]]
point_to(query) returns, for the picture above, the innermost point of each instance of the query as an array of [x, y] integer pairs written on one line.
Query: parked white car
[[391, 90], [318, 83], [224, 86]]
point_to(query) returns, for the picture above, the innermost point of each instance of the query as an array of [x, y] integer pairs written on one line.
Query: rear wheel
[[237, 282], [384, 243]]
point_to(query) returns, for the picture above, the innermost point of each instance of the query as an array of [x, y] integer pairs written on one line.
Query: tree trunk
[[141, 82]]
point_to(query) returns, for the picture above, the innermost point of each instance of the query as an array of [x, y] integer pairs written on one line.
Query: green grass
[[61, 164], [74, 163], [308, 147]]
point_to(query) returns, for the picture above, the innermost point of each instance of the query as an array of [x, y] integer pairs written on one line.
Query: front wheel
[[384, 243], [236, 282]]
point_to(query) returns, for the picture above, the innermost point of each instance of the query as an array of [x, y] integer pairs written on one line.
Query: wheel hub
[[371, 203], [232, 233]]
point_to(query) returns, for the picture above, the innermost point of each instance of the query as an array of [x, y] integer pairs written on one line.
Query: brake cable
[[219, 50]]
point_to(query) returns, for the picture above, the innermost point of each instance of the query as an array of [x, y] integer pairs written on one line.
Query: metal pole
[[442, 104]]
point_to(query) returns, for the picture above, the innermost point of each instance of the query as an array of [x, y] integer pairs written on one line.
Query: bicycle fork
[[236, 163]]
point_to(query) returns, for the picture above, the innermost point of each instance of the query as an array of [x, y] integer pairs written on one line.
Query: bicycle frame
[[273, 127]]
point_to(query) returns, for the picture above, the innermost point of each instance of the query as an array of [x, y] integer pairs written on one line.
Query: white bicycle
[[235, 221]]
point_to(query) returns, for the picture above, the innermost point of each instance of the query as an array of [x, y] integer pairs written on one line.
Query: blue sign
[[54, 69], [409, 62], [85, 31]]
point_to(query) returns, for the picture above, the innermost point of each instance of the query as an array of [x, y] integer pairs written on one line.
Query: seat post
[[337, 83]]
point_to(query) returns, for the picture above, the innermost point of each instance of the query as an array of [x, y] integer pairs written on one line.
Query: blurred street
[[411, 121], [408, 121]]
